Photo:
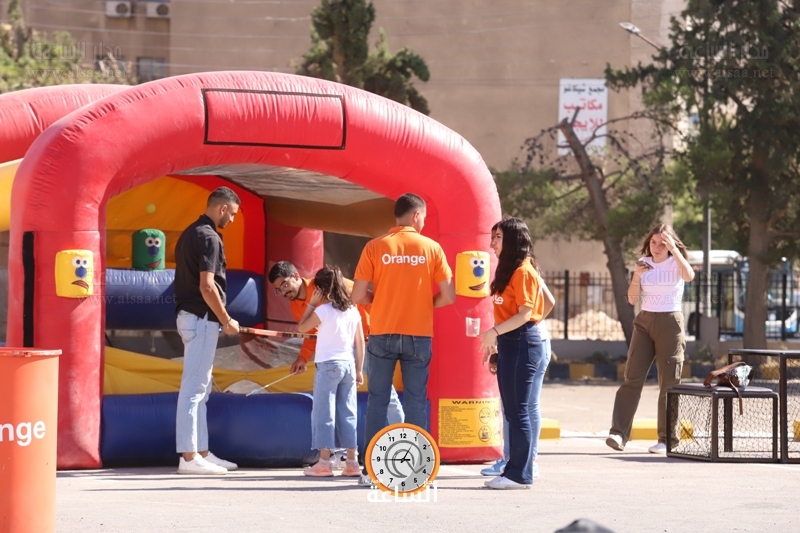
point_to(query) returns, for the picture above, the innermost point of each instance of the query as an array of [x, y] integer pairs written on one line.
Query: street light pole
[[634, 30], [706, 277]]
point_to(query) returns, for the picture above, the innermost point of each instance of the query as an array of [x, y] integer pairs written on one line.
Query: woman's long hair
[[663, 228], [329, 280], [517, 247]]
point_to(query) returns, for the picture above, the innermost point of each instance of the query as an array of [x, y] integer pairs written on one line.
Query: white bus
[[728, 283]]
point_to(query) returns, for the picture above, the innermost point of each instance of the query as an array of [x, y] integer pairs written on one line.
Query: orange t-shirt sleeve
[[527, 290], [442, 271], [365, 271]]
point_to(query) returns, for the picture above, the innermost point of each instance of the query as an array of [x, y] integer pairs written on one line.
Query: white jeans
[[199, 337]]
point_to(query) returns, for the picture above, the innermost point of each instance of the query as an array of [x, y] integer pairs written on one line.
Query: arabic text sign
[[591, 95]]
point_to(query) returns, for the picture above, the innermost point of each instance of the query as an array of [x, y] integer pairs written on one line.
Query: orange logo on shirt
[[412, 260]]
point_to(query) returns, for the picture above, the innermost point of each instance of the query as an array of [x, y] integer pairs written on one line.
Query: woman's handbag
[[734, 376]]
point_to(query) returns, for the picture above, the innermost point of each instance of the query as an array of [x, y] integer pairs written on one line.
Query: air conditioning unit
[[157, 10], [119, 10]]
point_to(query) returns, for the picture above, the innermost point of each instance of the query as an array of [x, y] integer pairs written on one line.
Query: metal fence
[[728, 303], [585, 307]]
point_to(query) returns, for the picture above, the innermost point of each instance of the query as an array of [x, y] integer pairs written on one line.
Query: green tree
[[29, 59], [340, 52], [614, 196], [735, 65], [687, 216]]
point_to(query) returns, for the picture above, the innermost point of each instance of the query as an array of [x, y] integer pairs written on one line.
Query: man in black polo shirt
[[200, 306]]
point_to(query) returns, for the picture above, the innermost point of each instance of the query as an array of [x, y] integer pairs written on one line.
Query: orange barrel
[[28, 434]]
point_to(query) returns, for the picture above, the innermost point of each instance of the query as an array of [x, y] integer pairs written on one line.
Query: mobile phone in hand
[[642, 262]]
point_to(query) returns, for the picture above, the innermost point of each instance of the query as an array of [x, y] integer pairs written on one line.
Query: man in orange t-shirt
[[403, 266], [286, 282]]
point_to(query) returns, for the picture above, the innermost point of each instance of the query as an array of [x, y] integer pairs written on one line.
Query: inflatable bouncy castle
[[305, 155]]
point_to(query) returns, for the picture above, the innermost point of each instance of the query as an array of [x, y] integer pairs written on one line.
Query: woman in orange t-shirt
[[518, 306]]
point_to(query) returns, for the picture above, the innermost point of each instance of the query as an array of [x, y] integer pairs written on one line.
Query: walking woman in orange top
[[518, 306]]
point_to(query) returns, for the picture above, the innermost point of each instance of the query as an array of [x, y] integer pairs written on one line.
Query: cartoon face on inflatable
[[149, 249], [74, 273], [472, 274]]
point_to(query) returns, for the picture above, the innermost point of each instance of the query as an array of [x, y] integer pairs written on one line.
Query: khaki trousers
[[658, 336]]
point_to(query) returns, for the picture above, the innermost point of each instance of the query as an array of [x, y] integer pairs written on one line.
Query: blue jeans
[[199, 337], [414, 355], [533, 406], [333, 415], [394, 412], [520, 354]]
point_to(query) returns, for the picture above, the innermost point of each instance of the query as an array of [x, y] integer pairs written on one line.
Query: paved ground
[[629, 492]]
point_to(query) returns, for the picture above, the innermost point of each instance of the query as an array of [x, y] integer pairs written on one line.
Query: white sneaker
[[615, 441], [214, 460], [503, 483], [199, 466], [365, 481], [658, 447]]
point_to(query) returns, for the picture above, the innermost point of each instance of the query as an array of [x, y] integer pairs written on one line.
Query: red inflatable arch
[[250, 128], [26, 114]]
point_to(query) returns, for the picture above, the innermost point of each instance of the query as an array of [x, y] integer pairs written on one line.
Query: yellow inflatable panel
[[133, 373], [170, 205], [167, 204], [7, 173], [74, 273], [472, 274]]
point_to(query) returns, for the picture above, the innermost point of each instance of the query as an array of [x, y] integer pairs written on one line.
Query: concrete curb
[[643, 429]]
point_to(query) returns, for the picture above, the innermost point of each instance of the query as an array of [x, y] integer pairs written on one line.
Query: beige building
[[495, 64], [137, 34]]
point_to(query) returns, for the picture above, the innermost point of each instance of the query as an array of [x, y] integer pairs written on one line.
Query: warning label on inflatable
[[470, 422]]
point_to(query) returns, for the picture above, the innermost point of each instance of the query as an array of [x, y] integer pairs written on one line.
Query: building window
[[150, 68], [111, 64]]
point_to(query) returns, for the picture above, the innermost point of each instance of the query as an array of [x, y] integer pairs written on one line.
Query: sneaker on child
[[496, 469], [351, 469], [199, 466], [321, 469], [214, 460], [365, 481]]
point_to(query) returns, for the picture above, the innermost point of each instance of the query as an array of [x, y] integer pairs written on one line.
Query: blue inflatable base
[[137, 299], [261, 431]]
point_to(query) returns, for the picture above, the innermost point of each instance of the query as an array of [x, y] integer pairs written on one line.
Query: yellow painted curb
[[644, 429], [551, 429], [581, 370]]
